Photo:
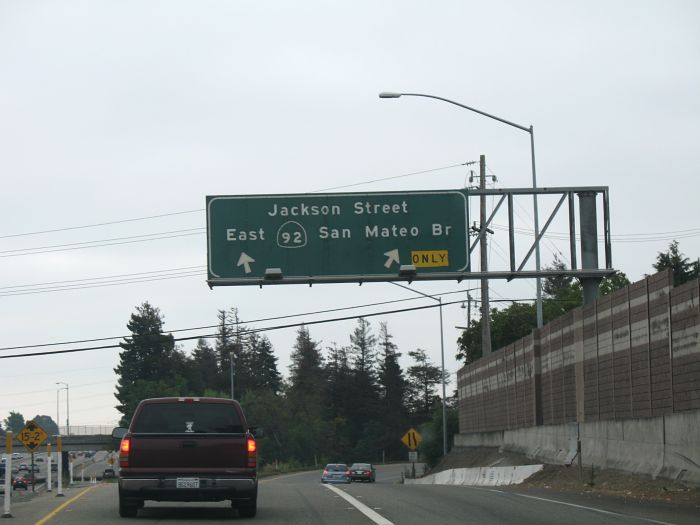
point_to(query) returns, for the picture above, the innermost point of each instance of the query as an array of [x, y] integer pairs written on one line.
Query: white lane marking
[[364, 509], [611, 513]]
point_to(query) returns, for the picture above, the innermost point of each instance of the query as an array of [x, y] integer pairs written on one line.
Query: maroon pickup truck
[[187, 449]]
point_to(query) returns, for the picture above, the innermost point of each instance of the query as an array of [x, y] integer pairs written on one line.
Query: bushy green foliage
[[431, 448]]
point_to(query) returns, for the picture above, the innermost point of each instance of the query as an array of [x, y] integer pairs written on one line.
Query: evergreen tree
[[363, 347], [363, 388], [205, 366], [307, 432], [423, 378], [337, 409], [393, 386], [306, 377], [262, 364], [148, 356], [683, 269]]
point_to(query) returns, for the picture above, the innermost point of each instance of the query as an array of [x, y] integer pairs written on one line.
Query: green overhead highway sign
[[340, 237]]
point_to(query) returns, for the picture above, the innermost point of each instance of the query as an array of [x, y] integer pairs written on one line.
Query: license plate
[[187, 483]]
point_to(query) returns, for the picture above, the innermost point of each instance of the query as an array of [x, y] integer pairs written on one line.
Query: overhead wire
[[244, 331], [95, 225], [208, 327]]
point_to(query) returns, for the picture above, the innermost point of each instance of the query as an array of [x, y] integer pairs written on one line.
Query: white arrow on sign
[[245, 260], [393, 257]]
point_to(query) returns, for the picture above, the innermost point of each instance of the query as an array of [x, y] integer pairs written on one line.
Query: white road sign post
[[8, 475]]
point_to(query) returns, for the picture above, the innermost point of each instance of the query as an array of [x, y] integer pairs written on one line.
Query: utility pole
[[469, 309], [485, 308], [230, 356]]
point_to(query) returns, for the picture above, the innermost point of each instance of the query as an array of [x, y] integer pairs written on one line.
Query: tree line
[[339, 403], [560, 294]]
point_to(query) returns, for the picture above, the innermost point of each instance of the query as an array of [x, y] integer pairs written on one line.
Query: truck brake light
[[124, 449], [252, 448]]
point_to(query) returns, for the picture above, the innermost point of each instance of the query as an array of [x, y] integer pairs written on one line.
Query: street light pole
[[442, 363], [58, 412], [529, 130], [67, 406]]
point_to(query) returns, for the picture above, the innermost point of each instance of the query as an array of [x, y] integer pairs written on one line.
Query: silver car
[[336, 473]]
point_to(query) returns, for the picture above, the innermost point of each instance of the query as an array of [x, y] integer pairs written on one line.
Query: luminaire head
[[389, 94]]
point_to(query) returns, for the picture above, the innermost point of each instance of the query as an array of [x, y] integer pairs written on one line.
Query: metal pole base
[[60, 495], [7, 515]]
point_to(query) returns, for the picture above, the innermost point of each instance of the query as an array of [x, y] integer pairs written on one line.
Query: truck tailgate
[[188, 451]]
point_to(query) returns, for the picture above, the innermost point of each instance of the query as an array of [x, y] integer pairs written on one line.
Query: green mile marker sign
[[338, 237]]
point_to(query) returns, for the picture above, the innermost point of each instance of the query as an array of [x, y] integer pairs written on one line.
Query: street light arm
[[415, 291], [494, 117]]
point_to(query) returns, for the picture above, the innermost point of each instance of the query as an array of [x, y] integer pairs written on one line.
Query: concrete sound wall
[[631, 358]]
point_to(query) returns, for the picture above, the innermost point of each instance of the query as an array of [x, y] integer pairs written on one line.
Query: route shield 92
[[341, 237]]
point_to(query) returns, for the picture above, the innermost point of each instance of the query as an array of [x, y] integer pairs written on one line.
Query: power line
[[248, 331], [106, 242], [118, 276], [396, 176], [120, 282], [207, 327], [100, 224]]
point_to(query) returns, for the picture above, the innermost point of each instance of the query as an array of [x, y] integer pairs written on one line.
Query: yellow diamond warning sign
[[412, 439], [32, 435], [430, 258]]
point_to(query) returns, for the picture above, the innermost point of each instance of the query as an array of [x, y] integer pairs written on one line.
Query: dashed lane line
[[364, 509]]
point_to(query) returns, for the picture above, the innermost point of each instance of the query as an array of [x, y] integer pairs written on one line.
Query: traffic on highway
[[300, 498]]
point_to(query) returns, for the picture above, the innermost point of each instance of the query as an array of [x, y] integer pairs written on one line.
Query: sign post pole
[[412, 439], [48, 467], [8, 474], [59, 474]]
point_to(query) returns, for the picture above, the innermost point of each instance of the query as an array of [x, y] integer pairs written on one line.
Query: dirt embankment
[[568, 478]]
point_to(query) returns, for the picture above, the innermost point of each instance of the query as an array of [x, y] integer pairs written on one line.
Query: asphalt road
[[301, 499]]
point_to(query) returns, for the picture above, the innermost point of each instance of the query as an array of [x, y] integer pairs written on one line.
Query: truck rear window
[[188, 418]]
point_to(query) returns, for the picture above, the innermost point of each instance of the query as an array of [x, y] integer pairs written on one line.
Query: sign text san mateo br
[[336, 235]]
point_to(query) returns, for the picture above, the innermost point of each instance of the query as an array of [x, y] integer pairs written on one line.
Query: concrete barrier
[[479, 477], [666, 446]]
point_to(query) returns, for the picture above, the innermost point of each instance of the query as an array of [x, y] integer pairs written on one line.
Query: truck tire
[[248, 509], [127, 507]]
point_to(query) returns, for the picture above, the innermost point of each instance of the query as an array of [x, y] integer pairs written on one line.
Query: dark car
[[20, 482], [187, 449], [336, 473], [54, 467], [363, 472], [108, 473], [24, 466]]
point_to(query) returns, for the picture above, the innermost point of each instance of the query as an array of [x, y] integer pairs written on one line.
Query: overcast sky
[[115, 111]]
